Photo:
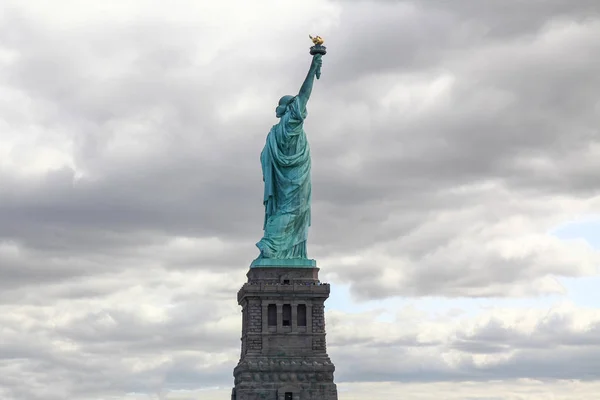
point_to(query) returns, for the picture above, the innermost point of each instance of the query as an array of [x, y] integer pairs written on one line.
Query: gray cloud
[[503, 348]]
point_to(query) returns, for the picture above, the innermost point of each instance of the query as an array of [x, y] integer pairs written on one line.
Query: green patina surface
[[286, 168], [278, 263]]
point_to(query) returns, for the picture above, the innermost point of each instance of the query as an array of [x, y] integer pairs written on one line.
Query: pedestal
[[284, 352]]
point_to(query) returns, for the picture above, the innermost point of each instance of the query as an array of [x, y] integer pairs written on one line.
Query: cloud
[[151, 331], [559, 343]]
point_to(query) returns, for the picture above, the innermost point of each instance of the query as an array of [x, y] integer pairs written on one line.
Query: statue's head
[[283, 103]]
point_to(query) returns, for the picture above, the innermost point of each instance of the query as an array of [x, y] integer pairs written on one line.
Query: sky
[[456, 198]]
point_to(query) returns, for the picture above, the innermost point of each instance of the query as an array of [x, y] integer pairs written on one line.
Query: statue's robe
[[285, 163]]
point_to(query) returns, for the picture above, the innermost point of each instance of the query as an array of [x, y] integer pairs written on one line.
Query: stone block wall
[[254, 316], [318, 318], [318, 327], [252, 326]]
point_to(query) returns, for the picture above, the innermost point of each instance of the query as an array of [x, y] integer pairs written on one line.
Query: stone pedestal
[[284, 354]]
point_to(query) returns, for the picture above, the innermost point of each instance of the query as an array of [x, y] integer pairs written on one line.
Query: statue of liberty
[[286, 165]]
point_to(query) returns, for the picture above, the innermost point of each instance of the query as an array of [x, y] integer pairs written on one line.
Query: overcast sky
[[456, 193]]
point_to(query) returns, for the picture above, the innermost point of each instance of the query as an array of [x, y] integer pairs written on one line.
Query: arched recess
[[294, 390]]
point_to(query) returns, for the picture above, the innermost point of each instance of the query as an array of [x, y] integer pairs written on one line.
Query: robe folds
[[286, 164]]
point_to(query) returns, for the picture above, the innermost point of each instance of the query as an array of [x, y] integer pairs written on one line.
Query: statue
[[285, 161]]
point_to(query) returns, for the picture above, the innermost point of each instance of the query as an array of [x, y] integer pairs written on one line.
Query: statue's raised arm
[[317, 51], [306, 88]]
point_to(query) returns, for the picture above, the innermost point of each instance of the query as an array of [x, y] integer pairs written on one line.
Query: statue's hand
[[317, 61], [316, 65]]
